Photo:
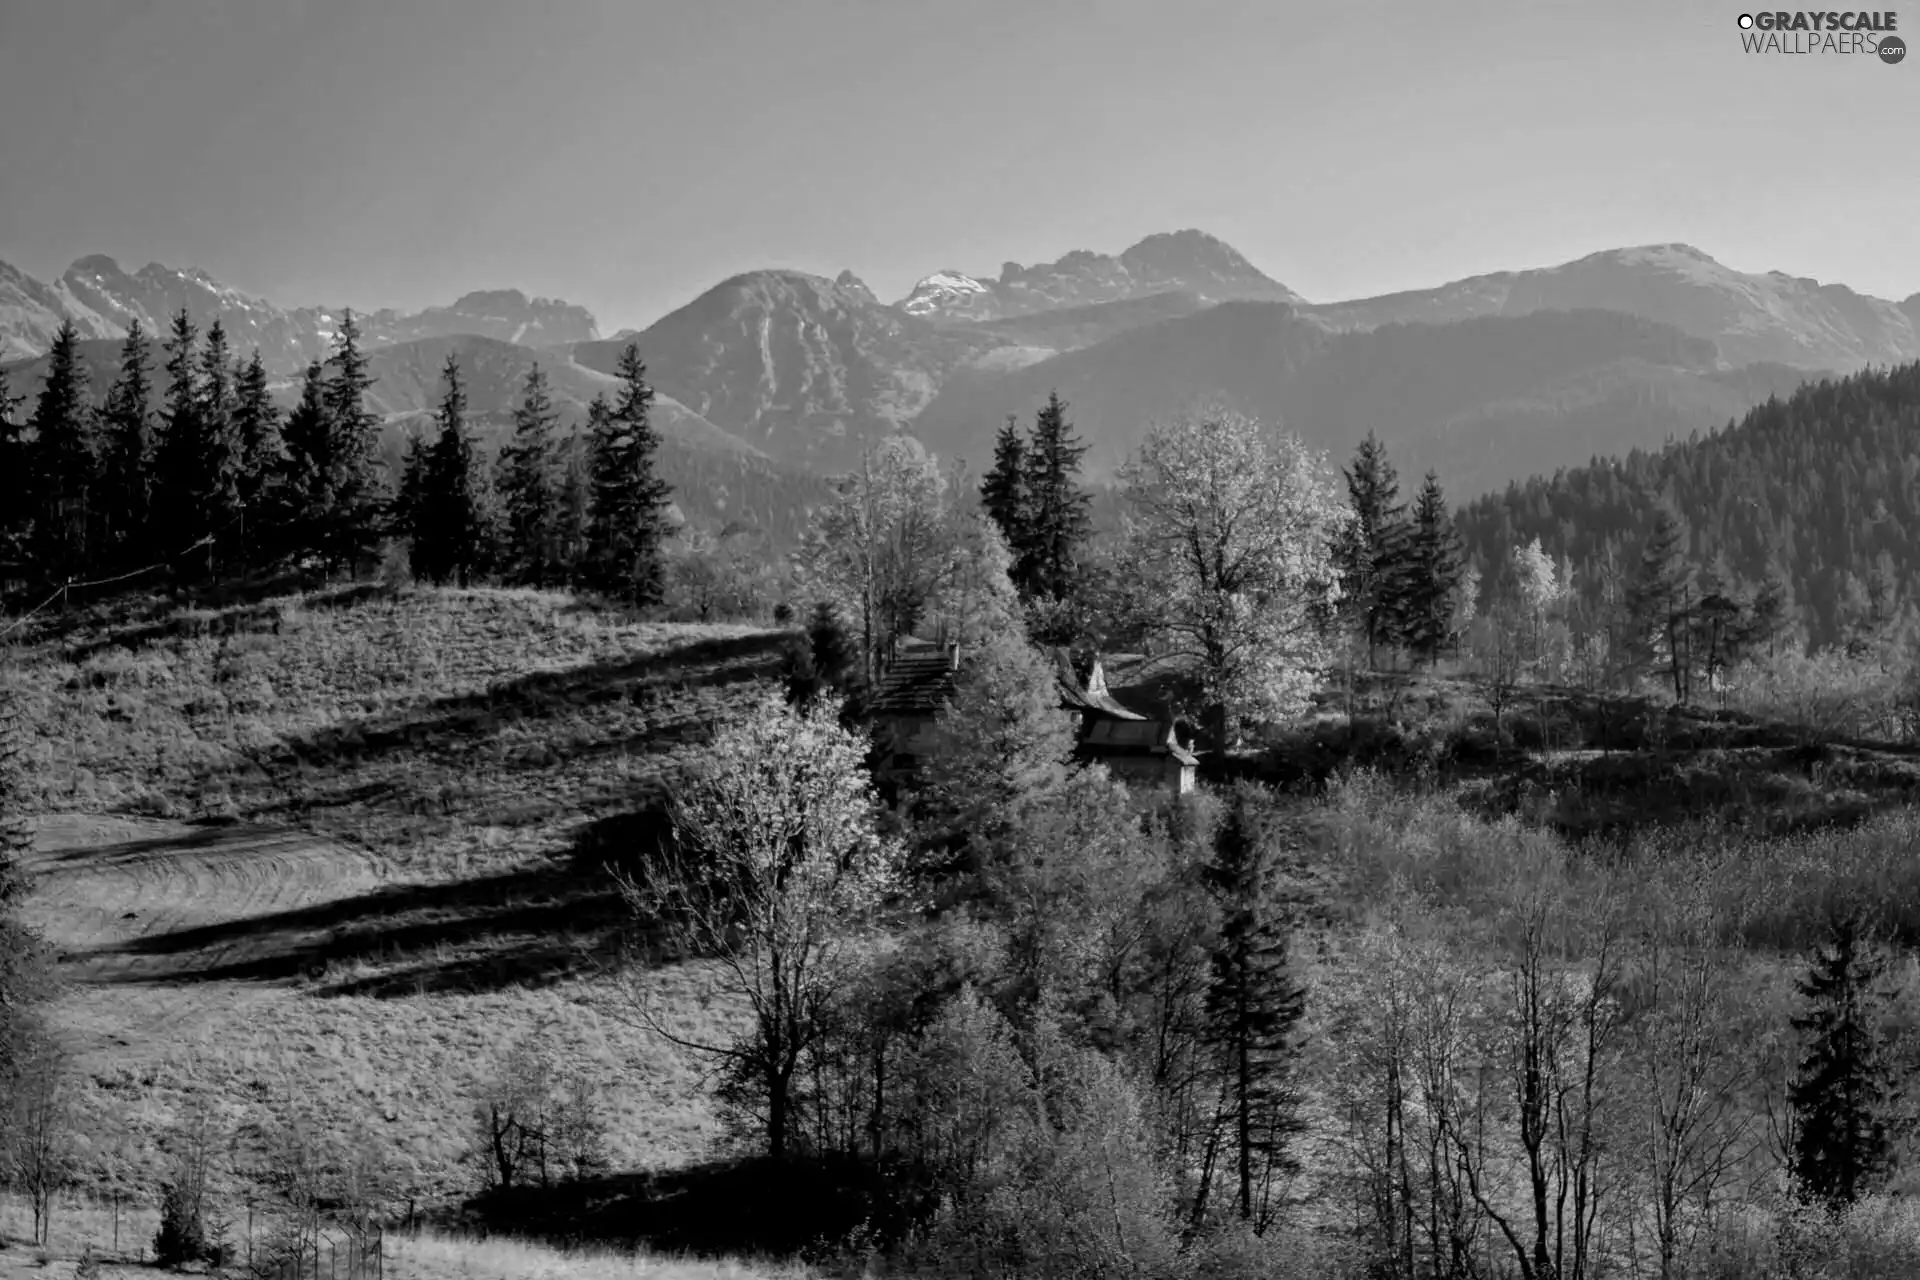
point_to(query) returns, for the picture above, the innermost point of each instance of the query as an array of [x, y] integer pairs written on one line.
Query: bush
[[186, 1233]]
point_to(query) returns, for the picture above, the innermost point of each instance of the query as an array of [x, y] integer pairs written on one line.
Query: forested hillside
[[1820, 491]]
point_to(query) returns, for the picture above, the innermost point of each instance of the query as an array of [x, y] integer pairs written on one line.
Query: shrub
[[186, 1233]]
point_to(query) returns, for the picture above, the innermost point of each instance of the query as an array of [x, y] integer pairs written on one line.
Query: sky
[[629, 154]]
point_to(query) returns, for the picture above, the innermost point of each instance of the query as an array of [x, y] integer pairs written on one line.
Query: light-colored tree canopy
[[1230, 538]]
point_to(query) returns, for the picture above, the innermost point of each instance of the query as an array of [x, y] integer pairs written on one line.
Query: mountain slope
[[103, 299], [1481, 401], [1178, 261], [1821, 488], [806, 368], [1773, 317]]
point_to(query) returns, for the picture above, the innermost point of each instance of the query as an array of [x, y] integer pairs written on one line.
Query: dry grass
[[412, 792]]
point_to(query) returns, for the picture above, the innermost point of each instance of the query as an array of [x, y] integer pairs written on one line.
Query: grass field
[[329, 856]]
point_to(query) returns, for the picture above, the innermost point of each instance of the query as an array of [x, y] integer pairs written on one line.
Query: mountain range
[[1486, 379], [102, 299]]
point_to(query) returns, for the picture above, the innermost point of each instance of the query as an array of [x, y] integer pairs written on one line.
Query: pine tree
[[1433, 576], [256, 430], [529, 494], [1004, 491], [220, 455], [1058, 510], [1660, 605], [304, 492], [448, 527], [128, 451], [356, 497], [574, 511], [178, 455], [64, 462], [628, 527], [1254, 1005], [1843, 1093], [1372, 555]]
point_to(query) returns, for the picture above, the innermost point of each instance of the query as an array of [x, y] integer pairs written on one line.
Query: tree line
[[198, 457]]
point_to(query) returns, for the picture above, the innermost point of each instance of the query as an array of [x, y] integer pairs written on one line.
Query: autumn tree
[[775, 865], [1229, 541]]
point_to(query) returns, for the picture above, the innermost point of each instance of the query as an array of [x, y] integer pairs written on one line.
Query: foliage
[[626, 525], [776, 862], [1230, 539], [1841, 1095]]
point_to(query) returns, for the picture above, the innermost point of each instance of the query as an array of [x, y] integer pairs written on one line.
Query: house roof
[[1091, 695], [919, 681], [1138, 737]]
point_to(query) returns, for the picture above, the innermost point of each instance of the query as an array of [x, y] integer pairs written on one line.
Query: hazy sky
[[628, 154]]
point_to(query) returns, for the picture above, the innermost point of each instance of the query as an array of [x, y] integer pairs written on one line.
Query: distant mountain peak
[[1189, 261], [854, 285]]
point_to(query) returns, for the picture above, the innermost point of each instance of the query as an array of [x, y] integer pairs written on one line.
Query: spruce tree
[[128, 446], [1004, 490], [449, 529], [1660, 605], [303, 494], [1058, 510], [1843, 1093], [178, 456], [64, 462], [356, 493], [574, 509], [529, 493], [628, 527], [220, 460], [256, 430], [1254, 1004], [1372, 555], [1433, 574]]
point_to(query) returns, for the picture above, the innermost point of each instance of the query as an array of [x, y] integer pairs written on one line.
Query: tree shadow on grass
[[531, 927]]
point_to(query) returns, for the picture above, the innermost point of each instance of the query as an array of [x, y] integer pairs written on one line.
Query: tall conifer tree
[[1373, 554], [1254, 1006], [16, 474], [1004, 490], [628, 527], [1433, 577], [357, 497], [220, 454], [304, 492], [529, 488], [1058, 510], [1843, 1094], [128, 451], [449, 530], [179, 455], [65, 461]]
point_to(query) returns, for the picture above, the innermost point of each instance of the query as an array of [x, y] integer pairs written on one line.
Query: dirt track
[[110, 890]]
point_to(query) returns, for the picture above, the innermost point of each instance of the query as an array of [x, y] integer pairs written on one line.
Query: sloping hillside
[[1820, 489], [328, 856]]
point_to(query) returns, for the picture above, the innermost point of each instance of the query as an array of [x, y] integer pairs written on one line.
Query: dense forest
[[1816, 493]]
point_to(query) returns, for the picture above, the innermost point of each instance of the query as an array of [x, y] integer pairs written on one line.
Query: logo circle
[[1746, 22], [1892, 49]]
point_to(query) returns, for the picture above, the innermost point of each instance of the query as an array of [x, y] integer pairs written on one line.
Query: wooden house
[[1143, 750], [912, 689]]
